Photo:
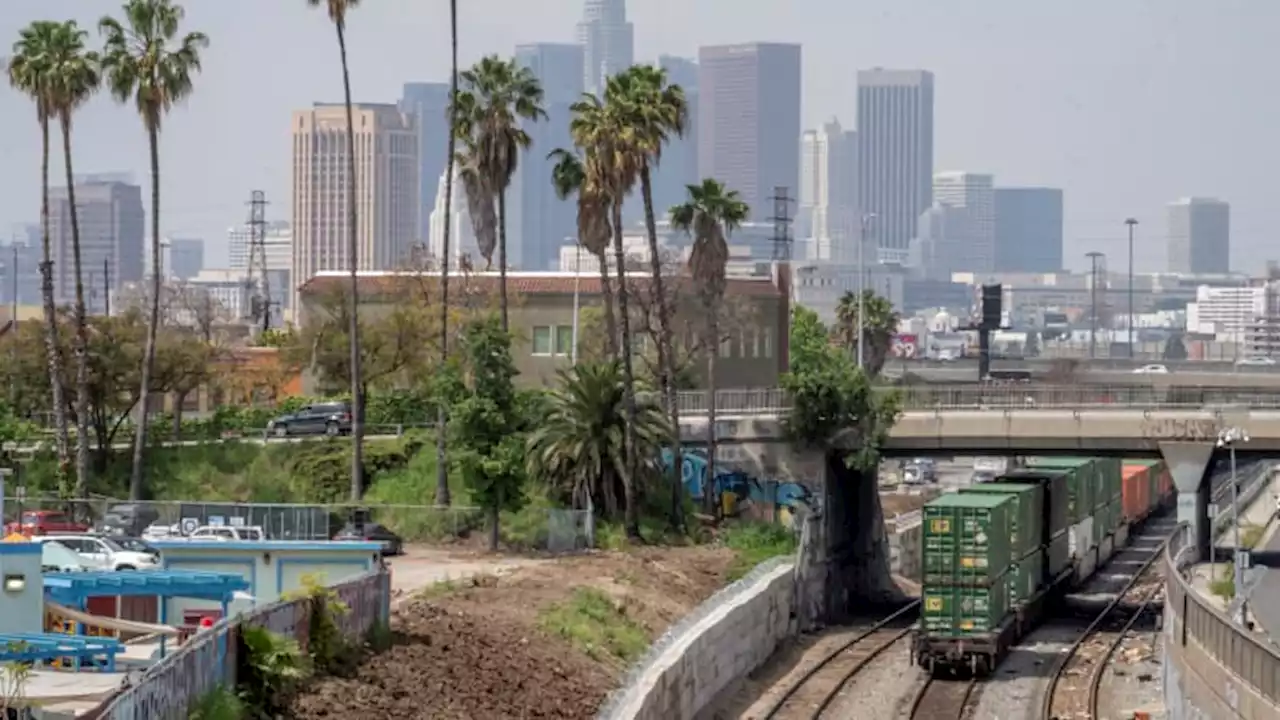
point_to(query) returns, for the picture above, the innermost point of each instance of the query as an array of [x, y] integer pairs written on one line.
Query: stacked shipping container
[[967, 563]]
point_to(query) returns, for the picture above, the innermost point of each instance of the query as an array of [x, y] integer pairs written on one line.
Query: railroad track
[[813, 692], [944, 699]]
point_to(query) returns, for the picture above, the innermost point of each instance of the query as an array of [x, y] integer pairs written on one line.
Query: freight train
[[996, 556]]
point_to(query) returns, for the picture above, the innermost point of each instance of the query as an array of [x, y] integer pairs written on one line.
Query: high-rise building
[[974, 193], [428, 102], [749, 120], [828, 192], [186, 257], [277, 247], [607, 40], [462, 236], [21, 261], [1028, 229], [1199, 236], [938, 249], [386, 183], [895, 154], [112, 231], [679, 166], [546, 220]]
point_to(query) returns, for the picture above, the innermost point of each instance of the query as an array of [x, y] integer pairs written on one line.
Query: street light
[[1094, 257], [1132, 223], [862, 270], [1228, 438]]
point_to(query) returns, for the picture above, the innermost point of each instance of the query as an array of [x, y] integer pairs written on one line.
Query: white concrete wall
[[738, 631], [904, 551]]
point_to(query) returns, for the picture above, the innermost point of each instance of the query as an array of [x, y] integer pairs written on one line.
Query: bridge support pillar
[[1188, 462]]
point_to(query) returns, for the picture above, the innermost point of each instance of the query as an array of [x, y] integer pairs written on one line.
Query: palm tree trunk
[[54, 359], [353, 308], [666, 348], [136, 489], [710, 499], [81, 323], [502, 255], [442, 413], [610, 319], [631, 520]]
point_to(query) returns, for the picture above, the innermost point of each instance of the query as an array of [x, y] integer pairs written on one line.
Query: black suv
[[330, 418]]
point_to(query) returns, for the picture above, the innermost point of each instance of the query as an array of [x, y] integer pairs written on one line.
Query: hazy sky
[[1126, 104]]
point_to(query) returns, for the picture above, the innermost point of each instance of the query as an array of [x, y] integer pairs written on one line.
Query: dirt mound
[[545, 641]]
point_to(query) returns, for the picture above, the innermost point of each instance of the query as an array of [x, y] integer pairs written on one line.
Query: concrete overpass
[[1046, 364], [1194, 377]]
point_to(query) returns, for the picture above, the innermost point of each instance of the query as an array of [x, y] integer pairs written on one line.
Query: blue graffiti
[[740, 492]]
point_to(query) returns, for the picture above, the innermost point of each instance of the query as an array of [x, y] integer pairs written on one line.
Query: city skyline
[[1018, 147]]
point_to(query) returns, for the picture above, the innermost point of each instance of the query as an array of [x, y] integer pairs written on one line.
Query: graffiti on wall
[[741, 493]]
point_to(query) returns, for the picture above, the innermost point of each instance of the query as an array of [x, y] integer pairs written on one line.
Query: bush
[[756, 542]]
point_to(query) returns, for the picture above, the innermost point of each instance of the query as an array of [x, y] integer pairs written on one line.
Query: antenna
[[782, 241]]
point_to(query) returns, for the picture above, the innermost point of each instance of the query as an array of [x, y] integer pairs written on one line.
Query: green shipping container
[[1027, 576], [1025, 534], [958, 610], [1057, 555], [1057, 498], [1117, 511], [966, 538], [1111, 470], [1080, 475]]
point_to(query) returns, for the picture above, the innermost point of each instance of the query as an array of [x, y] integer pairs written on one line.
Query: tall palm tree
[[443, 496], [710, 215], [31, 71], [142, 63], [569, 178], [496, 95], [877, 330], [338, 10], [653, 112], [599, 128], [75, 79]]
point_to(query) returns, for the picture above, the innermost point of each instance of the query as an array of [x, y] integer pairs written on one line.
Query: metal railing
[[197, 435], [744, 401]]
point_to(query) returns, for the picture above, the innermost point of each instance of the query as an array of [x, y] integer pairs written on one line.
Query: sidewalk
[[1260, 513]]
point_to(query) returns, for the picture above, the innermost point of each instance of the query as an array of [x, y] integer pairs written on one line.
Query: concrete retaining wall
[[728, 636], [904, 551]]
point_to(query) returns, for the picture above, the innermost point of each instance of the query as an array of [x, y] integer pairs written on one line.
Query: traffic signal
[[991, 298]]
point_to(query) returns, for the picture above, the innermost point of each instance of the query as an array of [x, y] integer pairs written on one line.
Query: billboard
[[905, 345]]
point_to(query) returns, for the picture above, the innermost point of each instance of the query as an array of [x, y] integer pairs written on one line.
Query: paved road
[[251, 440], [1266, 594]]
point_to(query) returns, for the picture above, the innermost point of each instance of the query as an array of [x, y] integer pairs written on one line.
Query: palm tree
[[654, 111], [569, 178], [141, 63], [31, 71], [75, 79], [599, 129], [877, 330], [579, 446], [443, 496], [338, 10], [496, 95], [710, 214]]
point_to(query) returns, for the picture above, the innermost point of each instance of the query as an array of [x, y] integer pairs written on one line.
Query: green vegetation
[[271, 669], [220, 703], [597, 625], [754, 543]]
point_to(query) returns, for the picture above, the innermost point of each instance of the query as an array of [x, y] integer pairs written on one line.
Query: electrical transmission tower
[[782, 240], [257, 266]]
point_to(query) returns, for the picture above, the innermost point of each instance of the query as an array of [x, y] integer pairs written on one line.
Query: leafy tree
[[578, 448], [442, 420], [496, 95], [486, 425], [710, 215], [338, 10], [185, 363], [877, 331], [32, 71], [141, 63], [1175, 348]]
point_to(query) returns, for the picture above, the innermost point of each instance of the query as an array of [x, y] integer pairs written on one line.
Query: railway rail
[[945, 699], [811, 694]]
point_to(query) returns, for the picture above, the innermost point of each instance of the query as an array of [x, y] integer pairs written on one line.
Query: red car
[[44, 522]]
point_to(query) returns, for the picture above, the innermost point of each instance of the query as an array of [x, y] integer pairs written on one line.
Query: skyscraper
[[974, 193], [429, 104], [462, 236], [186, 257], [1199, 236], [895, 153], [749, 120], [387, 206], [112, 222], [679, 166], [828, 191], [607, 40], [546, 220], [1028, 230]]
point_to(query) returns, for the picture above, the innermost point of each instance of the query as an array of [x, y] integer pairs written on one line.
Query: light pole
[[1094, 257], [1132, 223], [577, 279], [1229, 438], [862, 271]]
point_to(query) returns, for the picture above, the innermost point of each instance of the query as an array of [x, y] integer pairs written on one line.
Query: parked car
[[128, 519], [392, 544], [56, 557], [105, 552], [1256, 361], [982, 476], [133, 544], [1151, 370], [44, 522], [330, 418], [228, 533]]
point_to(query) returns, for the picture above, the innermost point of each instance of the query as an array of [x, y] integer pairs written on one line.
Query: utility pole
[[864, 224], [13, 326], [1132, 223], [782, 250], [1093, 302], [1229, 438], [106, 286], [258, 251]]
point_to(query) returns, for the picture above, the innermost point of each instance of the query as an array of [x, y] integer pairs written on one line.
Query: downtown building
[[1199, 236], [112, 240], [828, 194], [428, 102], [1028, 229], [386, 187], [749, 121], [607, 40]]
